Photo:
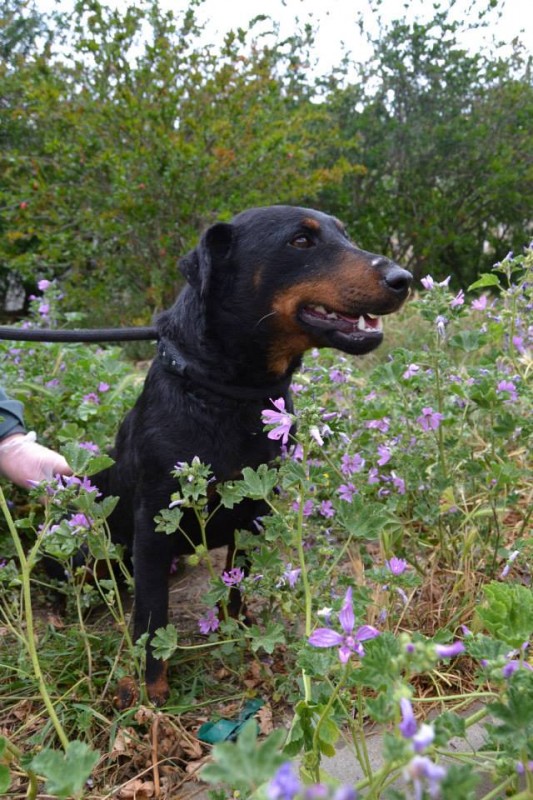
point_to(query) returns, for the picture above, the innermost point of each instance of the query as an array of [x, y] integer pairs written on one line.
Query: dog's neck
[[176, 362]]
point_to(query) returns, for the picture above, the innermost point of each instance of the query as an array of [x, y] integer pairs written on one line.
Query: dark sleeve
[[11, 417]]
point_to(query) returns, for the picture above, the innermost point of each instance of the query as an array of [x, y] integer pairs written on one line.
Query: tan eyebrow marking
[[309, 222]]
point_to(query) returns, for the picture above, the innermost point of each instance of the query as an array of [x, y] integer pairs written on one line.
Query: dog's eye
[[302, 241]]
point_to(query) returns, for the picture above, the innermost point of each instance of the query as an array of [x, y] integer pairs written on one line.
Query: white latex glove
[[23, 460]]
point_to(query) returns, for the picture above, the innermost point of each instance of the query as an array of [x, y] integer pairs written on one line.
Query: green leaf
[[486, 279], [66, 773], [165, 642], [245, 764], [268, 639], [508, 612], [259, 483], [5, 779], [168, 520]]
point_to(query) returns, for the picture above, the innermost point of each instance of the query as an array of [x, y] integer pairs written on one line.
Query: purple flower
[[373, 476], [351, 464], [429, 283], [43, 285], [509, 387], [382, 424], [449, 650], [337, 376], [307, 507], [79, 521], [513, 665], [103, 387], [284, 785], [91, 398], [480, 303], [421, 769], [512, 557], [90, 446], [429, 420], [345, 793], [44, 309], [396, 565], [350, 641], [385, 455], [347, 491], [83, 483], [407, 726], [458, 300], [398, 483], [326, 509], [441, 323], [411, 371], [290, 576], [280, 418], [233, 577], [209, 622], [423, 738], [518, 342]]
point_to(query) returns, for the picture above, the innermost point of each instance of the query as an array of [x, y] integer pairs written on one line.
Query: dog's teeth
[[372, 316], [361, 324], [332, 315], [321, 310]]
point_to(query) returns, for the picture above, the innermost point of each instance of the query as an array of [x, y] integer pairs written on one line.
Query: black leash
[[78, 334]]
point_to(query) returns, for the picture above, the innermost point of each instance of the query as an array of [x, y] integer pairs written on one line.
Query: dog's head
[[289, 279]]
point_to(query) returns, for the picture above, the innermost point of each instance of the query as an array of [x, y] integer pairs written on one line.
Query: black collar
[[175, 362]]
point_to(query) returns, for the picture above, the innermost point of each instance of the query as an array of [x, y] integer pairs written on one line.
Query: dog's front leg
[[152, 554]]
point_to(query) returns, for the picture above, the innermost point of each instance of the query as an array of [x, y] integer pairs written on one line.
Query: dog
[[261, 290]]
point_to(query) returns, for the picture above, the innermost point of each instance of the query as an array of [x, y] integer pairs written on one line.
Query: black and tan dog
[[260, 291]]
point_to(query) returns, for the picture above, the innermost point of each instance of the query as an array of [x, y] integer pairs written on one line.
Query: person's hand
[[23, 460]]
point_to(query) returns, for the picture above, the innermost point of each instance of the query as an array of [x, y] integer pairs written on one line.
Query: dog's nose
[[398, 279]]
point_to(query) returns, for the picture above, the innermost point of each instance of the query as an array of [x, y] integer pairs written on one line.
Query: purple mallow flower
[[285, 784], [385, 455], [429, 420], [350, 640], [458, 300], [280, 418], [351, 464], [209, 622], [411, 371], [509, 387], [449, 650], [233, 576], [396, 565], [429, 283], [326, 509], [408, 725], [421, 770], [480, 303], [347, 491]]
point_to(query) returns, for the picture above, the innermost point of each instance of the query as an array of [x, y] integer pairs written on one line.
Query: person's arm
[[22, 459]]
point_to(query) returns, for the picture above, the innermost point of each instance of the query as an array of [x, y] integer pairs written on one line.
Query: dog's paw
[[158, 691], [127, 694]]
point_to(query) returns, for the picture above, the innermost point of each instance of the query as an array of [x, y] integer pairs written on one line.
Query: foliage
[[123, 135], [442, 135], [134, 151], [391, 577]]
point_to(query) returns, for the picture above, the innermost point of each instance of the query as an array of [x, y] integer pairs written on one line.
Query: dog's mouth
[[356, 334]]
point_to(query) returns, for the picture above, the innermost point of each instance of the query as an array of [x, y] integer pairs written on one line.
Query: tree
[[446, 150], [142, 138]]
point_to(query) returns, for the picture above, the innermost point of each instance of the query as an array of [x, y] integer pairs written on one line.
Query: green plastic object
[[226, 730]]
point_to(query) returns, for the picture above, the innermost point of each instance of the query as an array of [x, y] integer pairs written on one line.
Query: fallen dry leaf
[[136, 790]]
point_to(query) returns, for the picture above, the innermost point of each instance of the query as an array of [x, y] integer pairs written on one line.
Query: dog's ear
[[213, 249]]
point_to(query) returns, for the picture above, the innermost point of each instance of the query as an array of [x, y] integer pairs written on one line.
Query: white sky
[[335, 20]]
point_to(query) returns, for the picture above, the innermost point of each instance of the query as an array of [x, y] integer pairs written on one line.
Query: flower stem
[[29, 639]]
